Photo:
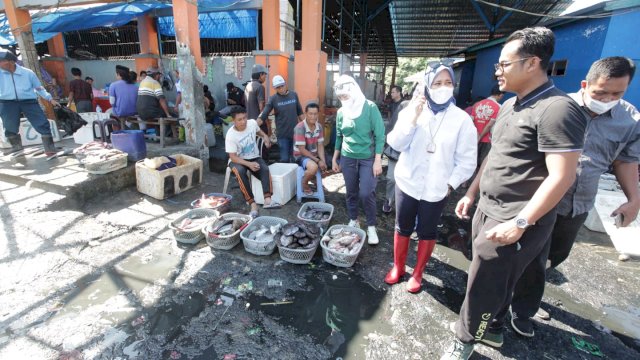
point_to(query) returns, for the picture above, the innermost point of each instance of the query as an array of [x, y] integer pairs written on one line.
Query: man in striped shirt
[[151, 101]]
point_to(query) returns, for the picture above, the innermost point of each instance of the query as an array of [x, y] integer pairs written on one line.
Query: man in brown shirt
[[80, 92]]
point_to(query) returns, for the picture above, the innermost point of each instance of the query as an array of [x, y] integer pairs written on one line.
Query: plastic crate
[[258, 247], [194, 236], [320, 206], [166, 183], [221, 208], [226, 242], [283, 182], [337, 258], [107, 166]]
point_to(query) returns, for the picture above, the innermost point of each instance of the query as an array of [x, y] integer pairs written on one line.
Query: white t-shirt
[[243, 143]]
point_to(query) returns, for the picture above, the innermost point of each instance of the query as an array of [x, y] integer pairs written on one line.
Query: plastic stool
[[318, 194], [105, 133]]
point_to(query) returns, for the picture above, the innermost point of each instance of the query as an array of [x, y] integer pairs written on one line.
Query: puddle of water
[[336, 312], [133, 273]]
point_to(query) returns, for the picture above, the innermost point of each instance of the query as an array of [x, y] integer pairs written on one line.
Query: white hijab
[[346, 85]]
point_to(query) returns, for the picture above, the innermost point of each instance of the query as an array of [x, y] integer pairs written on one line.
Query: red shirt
[[483, 112]]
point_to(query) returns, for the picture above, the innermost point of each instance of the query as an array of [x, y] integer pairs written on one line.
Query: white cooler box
[[283, 182], [28, 134], [85, 134]]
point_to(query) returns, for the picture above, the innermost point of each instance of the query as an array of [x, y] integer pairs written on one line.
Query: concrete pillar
[[271, 25], [149, 45], [363, 71], [55, 63], [311, 61], [20, 20], [393, 76], [191, 67]]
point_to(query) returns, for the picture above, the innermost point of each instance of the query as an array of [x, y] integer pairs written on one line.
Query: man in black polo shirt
[[536, 143]]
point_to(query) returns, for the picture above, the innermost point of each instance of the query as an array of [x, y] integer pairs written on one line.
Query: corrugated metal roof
[[435, 28], [441, 27]]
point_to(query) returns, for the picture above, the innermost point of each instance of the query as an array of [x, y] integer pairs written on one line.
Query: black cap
[[8, 55]]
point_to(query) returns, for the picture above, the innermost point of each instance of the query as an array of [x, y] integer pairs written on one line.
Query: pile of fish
[[316, 214], [265, 233], [211, 201], [225, 227], [193, 223], [342, 240], [95, 152], [298, 235]]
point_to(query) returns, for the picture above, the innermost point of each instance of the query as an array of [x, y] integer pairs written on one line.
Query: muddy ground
[[108, 281]]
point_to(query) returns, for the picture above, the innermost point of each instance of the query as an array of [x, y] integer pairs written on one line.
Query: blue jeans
[[361, 185], [286, 148], [10, 113]]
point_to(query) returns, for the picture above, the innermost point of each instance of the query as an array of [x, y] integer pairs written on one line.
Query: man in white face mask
[[612, 140]]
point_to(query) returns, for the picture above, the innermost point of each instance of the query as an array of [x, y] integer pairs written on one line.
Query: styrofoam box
[[283, 182], [169, 182], [30, 136], [85, 134]]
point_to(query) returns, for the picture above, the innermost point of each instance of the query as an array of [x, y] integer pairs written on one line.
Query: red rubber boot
[[425, 248], [400, 248]]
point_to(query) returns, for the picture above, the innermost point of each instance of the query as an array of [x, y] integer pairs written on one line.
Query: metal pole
[[298, 25]]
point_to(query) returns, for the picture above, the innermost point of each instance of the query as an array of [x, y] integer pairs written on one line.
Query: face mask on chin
[[598, 106], [441, 95]]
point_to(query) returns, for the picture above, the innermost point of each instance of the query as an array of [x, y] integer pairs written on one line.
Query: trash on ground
[[277, 303], [245, 287], [274, 282], [587, 347]]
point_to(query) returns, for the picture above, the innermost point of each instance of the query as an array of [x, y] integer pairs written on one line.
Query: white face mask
[[441, 95], [597, 106]]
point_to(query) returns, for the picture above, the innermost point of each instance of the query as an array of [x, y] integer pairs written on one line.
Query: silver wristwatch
[[521, 222]]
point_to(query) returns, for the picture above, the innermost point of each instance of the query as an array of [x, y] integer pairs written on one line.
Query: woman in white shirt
[[437, 141]]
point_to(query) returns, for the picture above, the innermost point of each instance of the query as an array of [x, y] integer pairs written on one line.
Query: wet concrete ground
[[108, 281]]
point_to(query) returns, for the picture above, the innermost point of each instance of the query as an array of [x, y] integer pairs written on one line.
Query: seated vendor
[[242, 147], [151, 102], [308, 142]]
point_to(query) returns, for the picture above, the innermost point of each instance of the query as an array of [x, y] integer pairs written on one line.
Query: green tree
[[407, 67]]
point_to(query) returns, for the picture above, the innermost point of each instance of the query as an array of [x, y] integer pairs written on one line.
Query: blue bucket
[[131, 142]]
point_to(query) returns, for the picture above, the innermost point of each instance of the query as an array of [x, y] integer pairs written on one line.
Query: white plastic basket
[[259, 247], [226, 242], [107, 166], [194, 236], [297, 256], [337, 258], [316, 205]]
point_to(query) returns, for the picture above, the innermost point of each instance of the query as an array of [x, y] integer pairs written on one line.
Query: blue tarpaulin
[[38, 22], [218, 25], [110, 15]]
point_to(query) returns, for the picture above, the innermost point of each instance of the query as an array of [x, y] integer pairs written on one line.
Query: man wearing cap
[[288, 111], [254, 99], [19, 88], [235, 96], [151, 102]]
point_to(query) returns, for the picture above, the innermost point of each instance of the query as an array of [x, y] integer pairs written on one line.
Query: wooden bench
[[160, 122]]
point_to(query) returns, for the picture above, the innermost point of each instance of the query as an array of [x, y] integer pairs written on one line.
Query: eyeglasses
[[432, 65], [503, 64], [341, 86]]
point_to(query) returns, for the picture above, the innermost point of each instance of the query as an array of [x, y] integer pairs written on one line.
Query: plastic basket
[[316, 205], [337, 258], [191, 237], [258, 247], [221, 208], [226, 242], [297, 256]]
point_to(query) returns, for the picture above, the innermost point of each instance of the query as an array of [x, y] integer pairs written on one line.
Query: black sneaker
[[522, 326], [386, 208]]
